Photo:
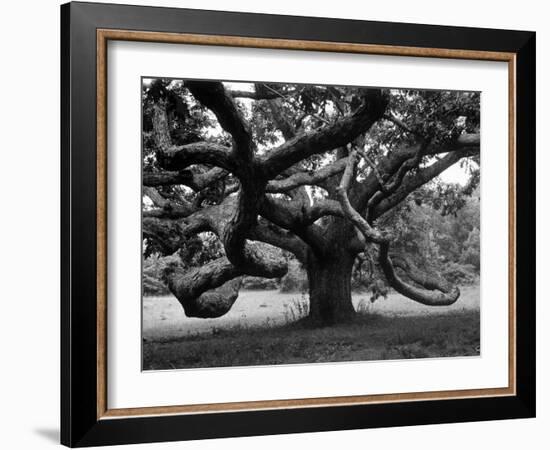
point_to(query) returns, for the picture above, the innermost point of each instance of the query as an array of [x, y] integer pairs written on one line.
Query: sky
[[455, 174]]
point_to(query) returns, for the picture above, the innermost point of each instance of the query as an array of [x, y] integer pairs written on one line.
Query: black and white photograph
[[292, 224]]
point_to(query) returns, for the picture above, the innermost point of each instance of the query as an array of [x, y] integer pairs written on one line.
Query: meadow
[[265, 327]]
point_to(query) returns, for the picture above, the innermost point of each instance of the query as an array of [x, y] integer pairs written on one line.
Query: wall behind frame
[[30, 224]]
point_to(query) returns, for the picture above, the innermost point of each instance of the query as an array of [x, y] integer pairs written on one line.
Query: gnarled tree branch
[[166, 208], [370, 233], [436, 294], [326, 138], [276, 108], [389, 165], [414, 181], [290, 216], [390, 117], [164, 234], [196, 181], [270, 233], [309, 177], [177, 158], [210, 290], [195, 289], [213, 95], [322, 208]]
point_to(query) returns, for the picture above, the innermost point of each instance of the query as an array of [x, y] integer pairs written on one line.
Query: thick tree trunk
[[330, 290], [329, 281]]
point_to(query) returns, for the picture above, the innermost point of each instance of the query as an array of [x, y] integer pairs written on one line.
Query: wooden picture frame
[[86, 418]]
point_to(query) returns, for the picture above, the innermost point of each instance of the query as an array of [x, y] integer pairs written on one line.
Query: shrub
[[153, 286], [259, 283], [153, 273], [298, 308], [460, 273], [470, 254], [296, 278]]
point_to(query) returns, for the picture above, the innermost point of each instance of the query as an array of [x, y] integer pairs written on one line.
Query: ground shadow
[[50, 434]]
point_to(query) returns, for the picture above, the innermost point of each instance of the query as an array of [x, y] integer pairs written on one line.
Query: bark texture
[[330, 288]]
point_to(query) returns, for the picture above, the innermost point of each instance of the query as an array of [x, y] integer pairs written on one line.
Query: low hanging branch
[[211, 290], [434, 293], [196, 181], [231, 220], [419, 277], [207, 291]]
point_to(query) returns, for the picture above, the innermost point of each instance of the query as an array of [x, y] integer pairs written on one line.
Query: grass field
[[264, 328]]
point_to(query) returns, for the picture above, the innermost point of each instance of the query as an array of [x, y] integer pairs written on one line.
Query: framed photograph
[[276, 224]]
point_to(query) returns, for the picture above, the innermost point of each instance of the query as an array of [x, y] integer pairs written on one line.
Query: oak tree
[[314, 171]]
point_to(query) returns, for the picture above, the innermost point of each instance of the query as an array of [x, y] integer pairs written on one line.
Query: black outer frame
[[79, 424]]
